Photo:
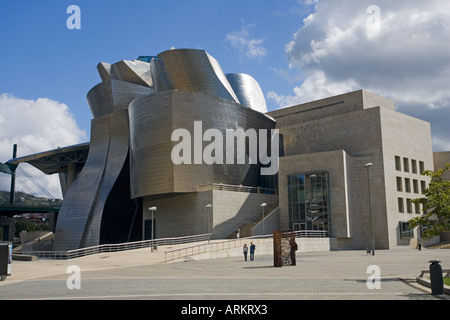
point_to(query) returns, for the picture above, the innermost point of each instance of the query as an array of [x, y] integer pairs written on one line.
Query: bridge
[[11, 210], [66, 162]]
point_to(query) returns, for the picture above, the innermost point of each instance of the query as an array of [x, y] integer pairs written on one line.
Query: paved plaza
[[143, 275]]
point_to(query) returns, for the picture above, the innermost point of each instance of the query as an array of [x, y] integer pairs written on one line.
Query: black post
[[437, 281], [12, 193]]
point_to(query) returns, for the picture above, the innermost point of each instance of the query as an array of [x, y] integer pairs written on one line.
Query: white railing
[[214, 246], [114, 247], [236, 188]]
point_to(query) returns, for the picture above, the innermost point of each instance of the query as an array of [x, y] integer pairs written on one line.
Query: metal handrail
[[70, 254], [233, 243], [236, 188], [213, 246]]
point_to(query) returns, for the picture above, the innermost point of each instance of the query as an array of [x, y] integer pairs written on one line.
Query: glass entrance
[[308, 196]]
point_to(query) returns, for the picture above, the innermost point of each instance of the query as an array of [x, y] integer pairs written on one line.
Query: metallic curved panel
[[137, 72], [117, 154], [104, 70], [108, 95], [195, 71], [81, 195], [100, 100], [152, 121], [248, 91], [151, 166], [160, 82]]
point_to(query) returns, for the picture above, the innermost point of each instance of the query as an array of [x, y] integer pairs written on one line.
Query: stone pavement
[[141, 274]]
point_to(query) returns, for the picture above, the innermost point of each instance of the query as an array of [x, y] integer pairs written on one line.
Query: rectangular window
[[417, 208], [406, 164], [421, 167], [399, 184], [414, 166], [416, 186], [398, 165], [400, 205], [423, 186], [408, 206], [405, 231], [407, 185]]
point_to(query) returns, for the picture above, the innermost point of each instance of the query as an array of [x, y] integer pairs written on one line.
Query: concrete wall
[[185, 214], [265, 247]]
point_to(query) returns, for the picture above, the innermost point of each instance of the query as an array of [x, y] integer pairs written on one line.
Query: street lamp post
[[209, 205], [152, 209], [368, 166], [262, 206]]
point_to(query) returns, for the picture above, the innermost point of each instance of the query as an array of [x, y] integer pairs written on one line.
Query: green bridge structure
[[67, 162]]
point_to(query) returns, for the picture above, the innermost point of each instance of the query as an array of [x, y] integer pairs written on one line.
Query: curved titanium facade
[[195, 71], [152, 121], [136, 108], [248, 91]]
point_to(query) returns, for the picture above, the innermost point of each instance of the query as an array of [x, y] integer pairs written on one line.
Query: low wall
[[265, 247]]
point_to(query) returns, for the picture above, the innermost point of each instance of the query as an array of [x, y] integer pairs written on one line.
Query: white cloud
[[402, 54], [35, 126], [248, 46]]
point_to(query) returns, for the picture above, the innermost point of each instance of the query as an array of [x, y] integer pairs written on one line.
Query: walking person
[[419, 246], [245, 250], [252, 251]]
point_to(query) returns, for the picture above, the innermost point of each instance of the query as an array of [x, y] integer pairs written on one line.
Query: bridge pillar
[[9, 227], [71, 173], [12, 193]]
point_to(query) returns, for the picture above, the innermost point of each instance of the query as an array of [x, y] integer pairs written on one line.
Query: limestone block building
[[323, 183]]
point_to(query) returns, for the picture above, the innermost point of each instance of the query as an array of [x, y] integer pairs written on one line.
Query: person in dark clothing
[[294, 247], [245, 250], [252, 251]]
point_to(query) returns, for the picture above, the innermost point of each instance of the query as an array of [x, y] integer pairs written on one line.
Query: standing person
[[419, 246], [294, 247], [245, 249], [252, 251]]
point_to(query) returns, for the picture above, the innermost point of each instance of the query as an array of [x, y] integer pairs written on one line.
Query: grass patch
[[447, 281]]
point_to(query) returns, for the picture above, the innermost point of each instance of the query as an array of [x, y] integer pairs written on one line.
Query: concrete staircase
[[245, 230]]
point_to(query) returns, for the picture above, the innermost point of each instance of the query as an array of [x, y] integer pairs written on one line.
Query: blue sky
[[298, 51], [43, 58]]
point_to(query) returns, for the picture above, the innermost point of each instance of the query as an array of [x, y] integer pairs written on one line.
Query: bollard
[[437, 281]]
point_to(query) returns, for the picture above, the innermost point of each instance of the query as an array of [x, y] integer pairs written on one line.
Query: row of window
[[410, 206], [405, 165], [408, 185]]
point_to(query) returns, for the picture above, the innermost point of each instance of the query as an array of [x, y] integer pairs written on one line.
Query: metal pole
[[152, 209], [264, 230], [263, 227], [12, 193], [152, 229], [209, 205]]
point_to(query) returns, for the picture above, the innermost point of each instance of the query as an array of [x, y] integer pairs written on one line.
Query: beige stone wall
[[355, 128], [185, 214], [410, 139]]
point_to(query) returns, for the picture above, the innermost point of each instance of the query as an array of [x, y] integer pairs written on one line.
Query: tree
[[436, 204]]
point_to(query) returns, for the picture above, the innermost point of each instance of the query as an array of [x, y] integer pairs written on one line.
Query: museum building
[[344, 164]]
